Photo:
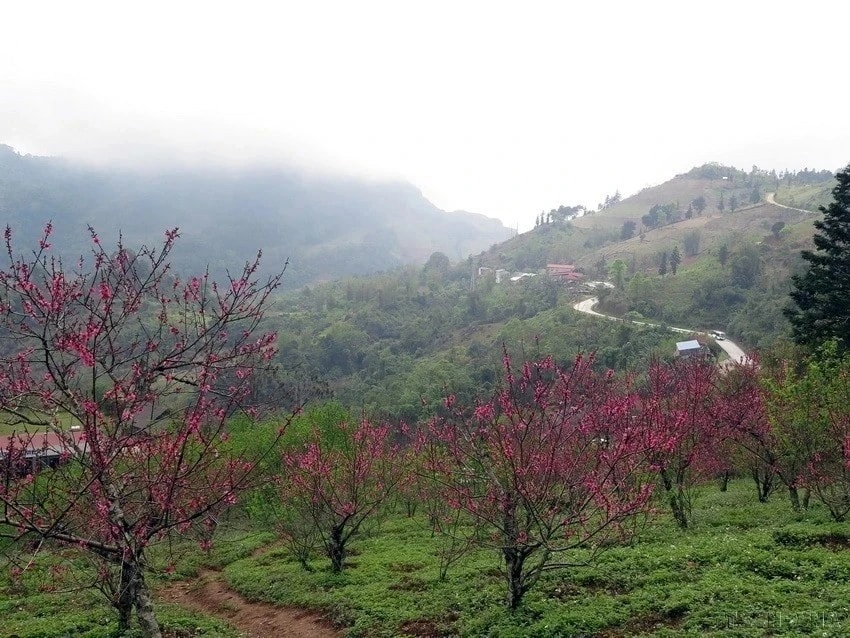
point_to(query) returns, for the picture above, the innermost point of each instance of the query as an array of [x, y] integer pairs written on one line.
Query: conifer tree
[[723, 255], [821, 295], [675, 260]]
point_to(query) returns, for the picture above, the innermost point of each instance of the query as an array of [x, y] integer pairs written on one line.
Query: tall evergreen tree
[[723, 255], [822, 294], [662, 264], [675, 260]]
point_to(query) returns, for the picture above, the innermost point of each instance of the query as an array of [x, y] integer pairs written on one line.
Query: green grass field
[[9, 426], [807, 196], [745, 569]]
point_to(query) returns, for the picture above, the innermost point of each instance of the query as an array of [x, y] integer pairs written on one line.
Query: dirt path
[[209, 594], [770, 197]]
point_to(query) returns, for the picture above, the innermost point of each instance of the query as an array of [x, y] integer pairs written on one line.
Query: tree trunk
[[795, 498], [676, 498], [806, 495], [513, 573], [336, 549], [764, 482], [133, 585], [410, 507], [124, 599], [125, 615], [144, 607], [724, 482], [678, 507]]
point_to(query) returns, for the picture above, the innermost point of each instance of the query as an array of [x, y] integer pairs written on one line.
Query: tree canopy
[[821, 295], [129, 374]]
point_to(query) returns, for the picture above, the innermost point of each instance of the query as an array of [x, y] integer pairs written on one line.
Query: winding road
[[771, 199], [731, 348]]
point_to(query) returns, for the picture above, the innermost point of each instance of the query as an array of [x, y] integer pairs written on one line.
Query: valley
[[509, 442]]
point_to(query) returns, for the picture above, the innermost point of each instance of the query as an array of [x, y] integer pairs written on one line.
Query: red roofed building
[[41, 448], [568, 273]]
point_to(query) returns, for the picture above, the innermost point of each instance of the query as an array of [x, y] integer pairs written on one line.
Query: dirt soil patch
[[209, 594]]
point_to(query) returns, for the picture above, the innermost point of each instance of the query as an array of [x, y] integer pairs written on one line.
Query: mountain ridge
[[325, 226]]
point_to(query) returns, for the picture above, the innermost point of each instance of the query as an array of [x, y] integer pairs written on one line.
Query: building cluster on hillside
[[503, 275], [565, 273]]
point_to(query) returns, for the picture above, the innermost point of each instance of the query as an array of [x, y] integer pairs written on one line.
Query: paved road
[[730, 347]]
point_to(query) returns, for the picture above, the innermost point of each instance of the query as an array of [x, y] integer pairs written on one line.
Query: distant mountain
[[326, 226]]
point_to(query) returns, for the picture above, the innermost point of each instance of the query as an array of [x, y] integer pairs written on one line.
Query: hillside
[[328, 227], [394, 343], [737, 250]]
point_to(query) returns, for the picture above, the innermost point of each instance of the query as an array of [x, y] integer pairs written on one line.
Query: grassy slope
[[752, 316], [808, 196], [594, 239], [55, 603], [63, 421], [680, 189], [585, 239], [751, 224], [746, 569]]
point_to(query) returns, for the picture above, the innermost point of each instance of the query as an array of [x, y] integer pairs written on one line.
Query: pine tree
[[662, 265], [675, 260], [733, 203], [723, 255], [822, 294]]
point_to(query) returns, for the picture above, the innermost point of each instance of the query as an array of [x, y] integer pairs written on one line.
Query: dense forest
[[395, 344]]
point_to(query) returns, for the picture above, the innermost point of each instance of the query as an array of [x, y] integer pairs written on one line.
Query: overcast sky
[[503, 109]]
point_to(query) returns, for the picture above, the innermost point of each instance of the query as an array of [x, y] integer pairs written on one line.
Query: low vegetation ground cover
[[57, 601], [743, 569]]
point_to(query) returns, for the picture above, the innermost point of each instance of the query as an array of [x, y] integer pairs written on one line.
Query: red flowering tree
[[445, 519], [679, 405], [551, 463], [741, 407], [127, 373], [339, 482]]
